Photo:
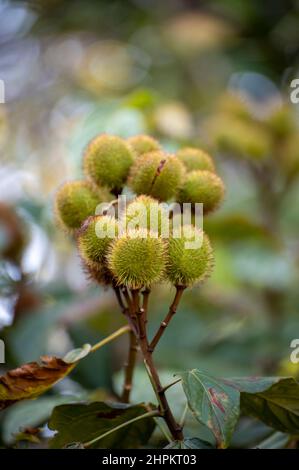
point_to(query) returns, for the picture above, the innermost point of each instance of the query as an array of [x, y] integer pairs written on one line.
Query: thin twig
[[141, 323], [125, 309], [172, 310], [146, 292], [129, 368], [116, 334], [119, 298], [135, 309], [171, 384], [132, 355]]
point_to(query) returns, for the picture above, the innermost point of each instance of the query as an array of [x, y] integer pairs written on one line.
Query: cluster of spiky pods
[[132, 256]]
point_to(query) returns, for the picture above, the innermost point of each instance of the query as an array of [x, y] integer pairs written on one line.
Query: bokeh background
[[215, 74]]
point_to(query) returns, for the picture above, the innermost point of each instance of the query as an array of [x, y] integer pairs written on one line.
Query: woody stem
[[129, 368], [172, 310], [165, 411], [133, 348]]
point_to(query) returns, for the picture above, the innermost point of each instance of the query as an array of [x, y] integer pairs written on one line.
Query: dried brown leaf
[[32, 379]]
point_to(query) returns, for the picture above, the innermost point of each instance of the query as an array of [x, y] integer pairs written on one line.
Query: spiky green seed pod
[[235, 105], [147, 213], [143, 144], [188, 264], [94, 239], [107, 161], [202, 187], [281, 121], [137, 259], [195, 159], [289, 159], [156, 174], [77, 200], [240, 138]]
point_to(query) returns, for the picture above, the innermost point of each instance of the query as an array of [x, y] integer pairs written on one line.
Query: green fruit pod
[[94, 238], [93, 241], [107, 161], [189, 257], [195, 159], [202, 187], [147, 213], [241, 139], [137, 259], [141, 144], [156, 174], [77, 200]]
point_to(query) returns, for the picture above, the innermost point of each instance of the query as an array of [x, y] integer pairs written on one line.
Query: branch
[[166, 413], [172, 310], [130, 365], [164, 408], [146, 292], [129, 368], [126, 310]]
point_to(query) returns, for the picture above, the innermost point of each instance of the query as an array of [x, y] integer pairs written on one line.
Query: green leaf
[[249, 432], [277, 440], [83, 423], [213, 403], [77, 354], [189, 443], [30, 414], [217, 402], [277, 406]]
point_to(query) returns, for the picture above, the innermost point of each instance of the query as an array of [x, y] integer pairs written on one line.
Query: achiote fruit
[[108, 160], [143, 144], [190, 257], [157, 174], [195, 159], [202, 187], [137, 259], [77, 200]]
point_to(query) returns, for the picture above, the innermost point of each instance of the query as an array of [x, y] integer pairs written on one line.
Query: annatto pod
[[77, 200], [195, 159], [147, 213], [281, 121], [190, 257], [94, 239], [240, 138], [289, 156], [143, 144], [137, 259], [107, 161], [156, 174], [202, 187]]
